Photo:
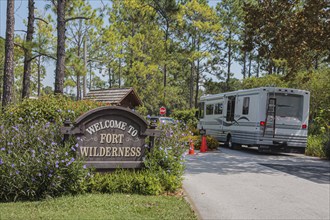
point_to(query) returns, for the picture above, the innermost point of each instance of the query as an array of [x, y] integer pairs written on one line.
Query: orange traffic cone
[[191, 148], [204, 145]]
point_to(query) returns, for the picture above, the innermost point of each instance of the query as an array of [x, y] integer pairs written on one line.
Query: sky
[[21, 12]]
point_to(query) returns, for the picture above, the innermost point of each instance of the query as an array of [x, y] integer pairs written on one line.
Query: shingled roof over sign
[[125, 97]]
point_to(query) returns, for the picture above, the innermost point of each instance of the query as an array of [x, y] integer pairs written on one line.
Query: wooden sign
[[111, 137]]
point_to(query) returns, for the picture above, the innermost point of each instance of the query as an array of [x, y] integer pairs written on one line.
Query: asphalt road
[[245, 184]]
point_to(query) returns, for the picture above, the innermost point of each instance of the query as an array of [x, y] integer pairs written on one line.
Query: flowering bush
[[34, 160], [34, 163], [166, 159]]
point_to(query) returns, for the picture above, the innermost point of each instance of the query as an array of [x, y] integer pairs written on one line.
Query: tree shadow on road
[[231, 162]]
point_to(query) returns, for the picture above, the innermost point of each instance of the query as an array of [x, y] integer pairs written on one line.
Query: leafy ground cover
[[100, 206]]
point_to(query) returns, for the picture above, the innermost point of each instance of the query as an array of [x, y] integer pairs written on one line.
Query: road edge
[[191, 203]]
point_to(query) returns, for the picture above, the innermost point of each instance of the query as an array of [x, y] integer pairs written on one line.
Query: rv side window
[[201, 110], [246, 103], [218, 108], [209, 109]]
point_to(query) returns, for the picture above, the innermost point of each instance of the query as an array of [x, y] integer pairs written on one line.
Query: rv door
[[230, 116]]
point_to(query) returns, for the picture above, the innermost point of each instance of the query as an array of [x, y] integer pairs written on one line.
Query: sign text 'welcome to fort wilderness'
[[111, 137]]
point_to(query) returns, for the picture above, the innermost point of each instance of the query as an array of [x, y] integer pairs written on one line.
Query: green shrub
[[318, 146], [187, 117], [126, 181], [212, 143], [162, 172], [35, 164], [55, 108], [34, 161]]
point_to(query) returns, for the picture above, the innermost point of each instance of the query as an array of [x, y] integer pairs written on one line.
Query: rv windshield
[[288, 105]]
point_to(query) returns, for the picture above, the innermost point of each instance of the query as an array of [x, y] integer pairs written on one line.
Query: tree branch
[[41, 54], [21, 31], [20, 46], [76, 18], [40, 19]]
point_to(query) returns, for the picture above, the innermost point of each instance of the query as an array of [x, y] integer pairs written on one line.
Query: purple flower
[[10, 143], [84, 167], [66, 154], [77, 145], [50, 175], [53, 143], [73, 149], [62, 161], [46, 152], [1, 162], [13, 165], [47, 125], [20, 118], [3, 148], [17, 172], [33, 179], [9, 151], [15, 128], [56, 165], [39, 174]]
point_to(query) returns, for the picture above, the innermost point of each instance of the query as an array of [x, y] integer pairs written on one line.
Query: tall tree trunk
[[165, 65], [229, 61], [28, 52], [78, 74], [197, 83], [85, 67], [109, 71], [8, 79], [119, 77], [258, 65], [191, 86], [250, 64], [90, 76], [39, 75], [244, 64], [60, 62], [197, 76]]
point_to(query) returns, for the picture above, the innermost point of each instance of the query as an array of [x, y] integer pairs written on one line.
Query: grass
[[100, 206]]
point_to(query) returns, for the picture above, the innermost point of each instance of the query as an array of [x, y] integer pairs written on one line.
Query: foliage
[[268, 80], [318, 83], [211, 142], [187, 117], [55, 108], [162, 172], [318, 146], [34, 161], [100, 206], [125, 181]]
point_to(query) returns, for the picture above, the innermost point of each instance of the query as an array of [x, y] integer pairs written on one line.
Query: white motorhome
[[271, 118]]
